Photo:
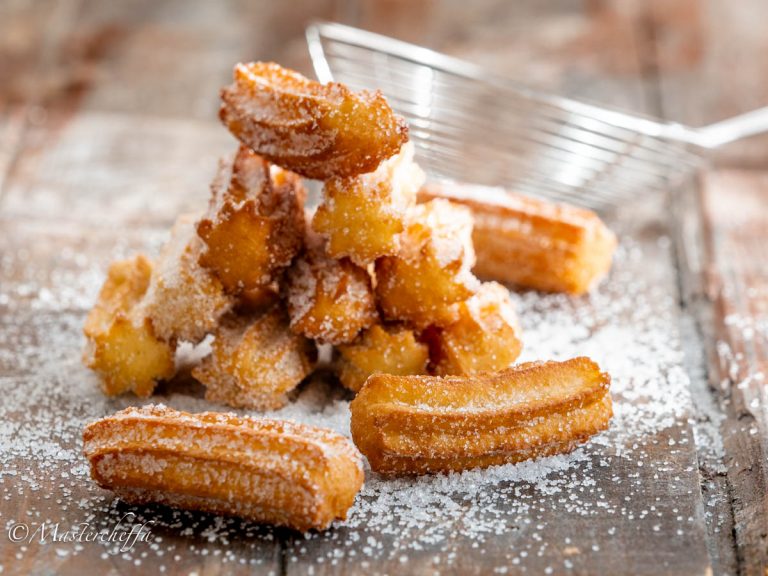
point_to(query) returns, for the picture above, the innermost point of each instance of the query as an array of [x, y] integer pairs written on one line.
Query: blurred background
[[689, 60]]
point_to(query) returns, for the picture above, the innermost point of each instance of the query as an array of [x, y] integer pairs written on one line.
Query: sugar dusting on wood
[[629, 326]]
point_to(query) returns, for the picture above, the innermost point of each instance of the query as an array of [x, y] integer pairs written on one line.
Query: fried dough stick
[[363, 216], [421, 424], [432, 270], [256, 361], [533, 243], [121, 345], [270, 471], [319, 131], [254, 225]]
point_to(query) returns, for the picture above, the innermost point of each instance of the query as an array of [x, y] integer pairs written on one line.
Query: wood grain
[[722, 239], [735, 208]]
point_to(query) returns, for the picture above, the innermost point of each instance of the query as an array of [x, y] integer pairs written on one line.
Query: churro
[[255, 361], [121, 345], [184, 300], [432, 270], [533, 243], [363, 216], [320, 131], [484, 338], [329, 300], [388, 350], [421, 424], [269, 471], [255, 223]]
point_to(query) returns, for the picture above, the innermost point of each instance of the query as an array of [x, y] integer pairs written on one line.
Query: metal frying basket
[[471, 125]]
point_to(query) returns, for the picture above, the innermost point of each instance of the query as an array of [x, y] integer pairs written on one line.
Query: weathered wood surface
[[107, 131], [708, 71]]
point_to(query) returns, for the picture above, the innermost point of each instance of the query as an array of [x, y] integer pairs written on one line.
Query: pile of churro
[[404, 281]]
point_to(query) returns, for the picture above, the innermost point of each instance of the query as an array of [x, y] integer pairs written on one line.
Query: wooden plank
[[30, 32], [610, 508], [710, 67], [12, 125], [708, 407], [175, 56], [708, 72], [736, 213]]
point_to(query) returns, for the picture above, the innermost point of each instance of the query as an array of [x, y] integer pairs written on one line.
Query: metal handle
[[736, 128]]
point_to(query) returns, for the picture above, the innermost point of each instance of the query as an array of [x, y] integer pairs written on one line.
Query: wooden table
[[108, 131]]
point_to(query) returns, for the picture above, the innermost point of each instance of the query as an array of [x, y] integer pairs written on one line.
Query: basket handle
[[732, 129]]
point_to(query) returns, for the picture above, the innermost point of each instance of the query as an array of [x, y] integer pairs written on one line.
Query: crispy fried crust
[[255, 362], [432, 270], [259, 299], [389, 350], [121, 345], [318, 131], [484, 338], [270, 471], [533, 243], [329, 300], [421, 424], [363, 216], [184, 300], [255, 223]]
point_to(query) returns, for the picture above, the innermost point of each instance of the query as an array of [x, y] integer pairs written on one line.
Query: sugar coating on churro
[[254, 225], [364, 216], [380, 349], [329, 300], [432, 271], [255, 361], [184, 300], [486, 335], [530, 242], [320, 131], [266, 470]]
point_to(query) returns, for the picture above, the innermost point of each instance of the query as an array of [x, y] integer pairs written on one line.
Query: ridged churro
[[270, 471], [421, 424], [532, 243], [255, 361], [184, 301], [432, 270], [363, 216], [380, 349], [254, 225], [484, 338]]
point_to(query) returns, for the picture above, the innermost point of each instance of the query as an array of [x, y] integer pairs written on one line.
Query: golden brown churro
[[121, 343], [329, 300], [270, 471], [184, 300], [255, 361], [533, 243], [255, 223], [363, 216], [389, 350], [432, 270], [320, 131], [420, 424], [484, 338]]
